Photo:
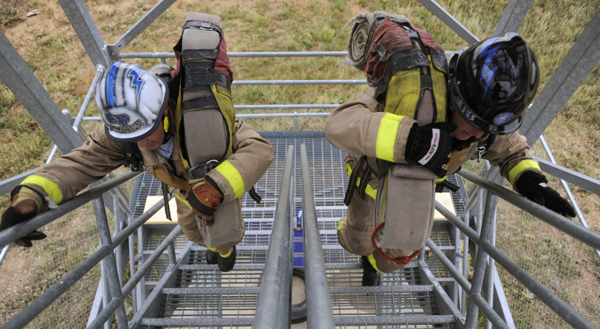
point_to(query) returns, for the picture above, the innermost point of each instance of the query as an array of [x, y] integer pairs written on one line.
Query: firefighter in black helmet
[[431, 111]]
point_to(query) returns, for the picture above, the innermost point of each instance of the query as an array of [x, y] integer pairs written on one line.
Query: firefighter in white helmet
[[144, 122]]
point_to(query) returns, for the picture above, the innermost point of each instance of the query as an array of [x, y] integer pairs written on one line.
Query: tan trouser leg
[[187, 220], [355, 230]]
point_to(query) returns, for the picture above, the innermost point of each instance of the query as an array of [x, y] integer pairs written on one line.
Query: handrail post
[[318, 300], [491, 201], [276, 280], [109, 263]]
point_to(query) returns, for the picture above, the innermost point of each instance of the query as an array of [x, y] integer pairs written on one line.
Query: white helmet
[[131, 102]]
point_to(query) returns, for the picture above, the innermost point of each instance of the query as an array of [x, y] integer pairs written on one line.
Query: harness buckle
[[201, 170], [480, 151]]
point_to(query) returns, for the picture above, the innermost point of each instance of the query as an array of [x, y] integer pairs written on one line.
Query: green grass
[[55, 55]]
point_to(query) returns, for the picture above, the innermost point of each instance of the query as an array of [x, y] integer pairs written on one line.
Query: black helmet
[[492, 83]]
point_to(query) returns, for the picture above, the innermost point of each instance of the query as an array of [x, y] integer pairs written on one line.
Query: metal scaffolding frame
[[439, 300]]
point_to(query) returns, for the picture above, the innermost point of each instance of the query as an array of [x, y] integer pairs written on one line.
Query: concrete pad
[[160, 217], [445, 199]]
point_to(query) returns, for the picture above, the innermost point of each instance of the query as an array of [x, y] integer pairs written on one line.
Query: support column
[[21, 81]]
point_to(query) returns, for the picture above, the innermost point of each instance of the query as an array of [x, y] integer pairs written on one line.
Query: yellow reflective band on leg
[[386, 136], [227, 254], [183, 200], [439, 180], [233, 177], [374, 263], [213, 249], [49, 186], [516, 170], [368, 190], [340, 225]]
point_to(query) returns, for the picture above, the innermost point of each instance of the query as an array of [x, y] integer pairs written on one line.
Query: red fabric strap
[[398, 260]]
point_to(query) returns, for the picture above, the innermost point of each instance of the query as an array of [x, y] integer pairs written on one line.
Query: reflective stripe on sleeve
[[519, 168], [340, 225], [49, 186], [368, 190], [233, 177], [386, 136]]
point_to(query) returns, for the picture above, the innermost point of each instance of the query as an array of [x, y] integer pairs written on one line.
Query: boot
[[211, 257], [371, 277], [226, 264]]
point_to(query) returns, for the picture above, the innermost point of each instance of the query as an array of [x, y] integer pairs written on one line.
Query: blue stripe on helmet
[[136, 81], [488, 73], [110, 85]]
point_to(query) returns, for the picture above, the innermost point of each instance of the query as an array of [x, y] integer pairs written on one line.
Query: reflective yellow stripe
[[227, 254], [516, 170], [373, 263], [340, 224], [233, 177], [439, 180], [386, 136], [213, 249], [183, 200], [368, 190], [49, 186]]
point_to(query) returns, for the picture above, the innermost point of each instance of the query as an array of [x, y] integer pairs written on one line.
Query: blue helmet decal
[[136, 81], [487, 73], [121, 119], [503, 118], [110, 84]]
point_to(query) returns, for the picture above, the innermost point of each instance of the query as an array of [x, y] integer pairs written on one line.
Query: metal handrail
[[486, 309], [135, 279], [559, 307], [567, 190], [318, 301], [18, 231], [248, 54], [585, 235], [274, 282], [53, 293]]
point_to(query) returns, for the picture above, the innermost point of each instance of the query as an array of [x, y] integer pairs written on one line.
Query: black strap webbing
[[254, 195], [165, 190]]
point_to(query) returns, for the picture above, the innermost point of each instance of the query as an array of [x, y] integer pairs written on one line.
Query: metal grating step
[[205, 306], [351, 275], [244, 256], [197, 276], [396, 322], [398, 300]]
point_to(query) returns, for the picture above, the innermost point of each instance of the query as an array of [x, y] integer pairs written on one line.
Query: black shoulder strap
[[133, 157]]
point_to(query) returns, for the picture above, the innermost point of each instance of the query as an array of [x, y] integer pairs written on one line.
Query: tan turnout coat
[[99, 155], [354, 126]]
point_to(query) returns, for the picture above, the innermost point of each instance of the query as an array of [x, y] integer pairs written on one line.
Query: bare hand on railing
[[534, 187], [26, 203]]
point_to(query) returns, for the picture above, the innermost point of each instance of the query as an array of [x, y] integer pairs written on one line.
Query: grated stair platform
[[200, 296]]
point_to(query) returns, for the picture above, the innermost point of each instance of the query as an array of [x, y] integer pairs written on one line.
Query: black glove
[[430, 146], [26, 203], [533, 186]]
